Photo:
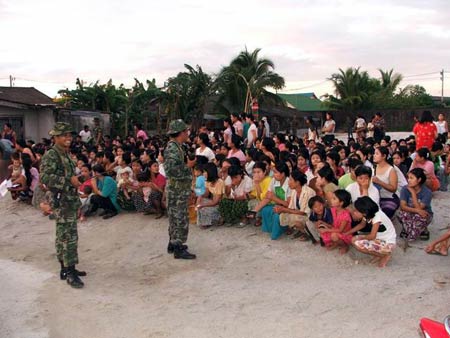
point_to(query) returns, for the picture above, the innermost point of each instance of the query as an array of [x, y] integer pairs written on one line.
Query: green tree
[[390, 81], [145, 101], [247, 77], [187, 94], [352, 89]]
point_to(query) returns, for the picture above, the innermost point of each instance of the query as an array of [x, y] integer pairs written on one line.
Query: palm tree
[[390, 81], [247, 78], [352, 89]]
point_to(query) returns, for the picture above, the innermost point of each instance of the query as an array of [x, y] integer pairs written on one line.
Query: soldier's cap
[[61, 128], [177, 126]]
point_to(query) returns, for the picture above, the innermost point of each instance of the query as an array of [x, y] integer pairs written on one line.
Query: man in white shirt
[[85, 134]]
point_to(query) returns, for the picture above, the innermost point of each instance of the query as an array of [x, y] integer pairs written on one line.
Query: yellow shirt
[[217, 189], [264, 185]]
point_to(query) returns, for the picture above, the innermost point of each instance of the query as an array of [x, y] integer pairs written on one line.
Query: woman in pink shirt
[[280, 141], [422, 160], [235, 143], [140, 133]]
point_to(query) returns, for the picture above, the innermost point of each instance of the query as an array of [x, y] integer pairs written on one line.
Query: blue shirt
[[424, 196], [200, 185], [108, 188], [327, 216]]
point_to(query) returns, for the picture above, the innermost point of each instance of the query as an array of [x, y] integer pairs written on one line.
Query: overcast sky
[[48, 43]]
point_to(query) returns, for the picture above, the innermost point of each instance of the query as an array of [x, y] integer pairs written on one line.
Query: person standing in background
[[252, 132], [97, 131], [379, 126], [328, 128], [9, 134], [442, 128], [85, 134], [237, 124], [140, 133], [266, 127], [425, 131]]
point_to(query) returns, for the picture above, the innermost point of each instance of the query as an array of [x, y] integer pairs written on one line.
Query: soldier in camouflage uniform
[[58, 174], [179, 175]]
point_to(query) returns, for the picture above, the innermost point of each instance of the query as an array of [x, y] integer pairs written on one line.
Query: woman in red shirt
[[425, 131]]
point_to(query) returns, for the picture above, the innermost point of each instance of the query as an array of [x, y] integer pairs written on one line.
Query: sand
[[242, 284]]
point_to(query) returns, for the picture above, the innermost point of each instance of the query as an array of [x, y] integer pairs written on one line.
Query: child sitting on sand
[[319, 217], [334, 235], [124, 184], [16, 168], [380, 241], [200, 183]]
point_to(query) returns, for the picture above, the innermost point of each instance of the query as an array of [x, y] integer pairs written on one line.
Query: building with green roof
[[304, 102]]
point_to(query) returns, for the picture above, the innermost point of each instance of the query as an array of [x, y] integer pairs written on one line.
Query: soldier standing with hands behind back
[[179, 175], [58, 174]]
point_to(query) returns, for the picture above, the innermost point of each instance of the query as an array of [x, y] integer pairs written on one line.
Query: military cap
[[61, 128], [177, 126]]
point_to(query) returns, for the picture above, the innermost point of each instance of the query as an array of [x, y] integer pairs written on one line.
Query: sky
[[47, 44]]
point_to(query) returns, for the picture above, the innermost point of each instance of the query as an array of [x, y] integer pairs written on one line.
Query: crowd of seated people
[[331, 193]]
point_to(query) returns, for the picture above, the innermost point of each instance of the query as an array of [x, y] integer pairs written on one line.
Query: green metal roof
[[302, 102]]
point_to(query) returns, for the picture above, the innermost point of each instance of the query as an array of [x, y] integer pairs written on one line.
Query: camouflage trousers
[[177, 210], [66, 236]]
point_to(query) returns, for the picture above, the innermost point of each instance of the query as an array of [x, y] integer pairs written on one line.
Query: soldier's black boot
[[63, 272], [72, 278], [181, 253], [171, 248]]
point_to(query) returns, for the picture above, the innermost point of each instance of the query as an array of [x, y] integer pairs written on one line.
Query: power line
[[310, 86], [38, 81], [423, 74], [423, 79]]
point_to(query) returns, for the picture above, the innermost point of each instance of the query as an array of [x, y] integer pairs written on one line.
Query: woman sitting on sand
[[27, 181], [380, 241], [208, 211], [422, 160], [234, 205], [327, 183], [386, 180], [296, 214], [415, 206], [279, 194], [261, 183]]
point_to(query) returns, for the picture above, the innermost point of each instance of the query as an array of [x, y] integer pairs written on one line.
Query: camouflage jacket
[[56, 170], [176, 170]]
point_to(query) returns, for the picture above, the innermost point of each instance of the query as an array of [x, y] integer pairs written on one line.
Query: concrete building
[[29, 111]]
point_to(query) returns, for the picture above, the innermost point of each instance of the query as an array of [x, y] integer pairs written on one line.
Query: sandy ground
[[242, 284]]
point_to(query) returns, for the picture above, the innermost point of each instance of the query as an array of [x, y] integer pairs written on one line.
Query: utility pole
[[442, 89]]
